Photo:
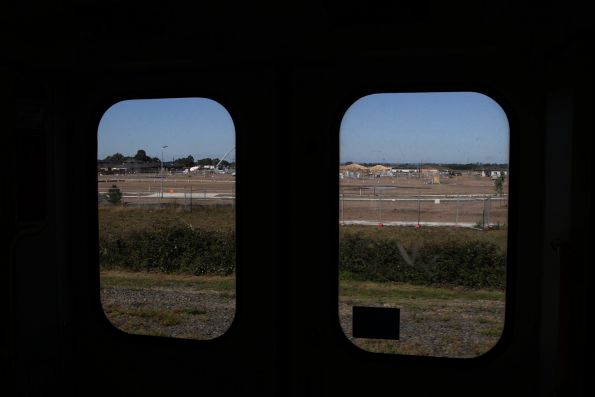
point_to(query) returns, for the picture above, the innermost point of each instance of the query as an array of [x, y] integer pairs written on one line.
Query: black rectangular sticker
[[376, 322]]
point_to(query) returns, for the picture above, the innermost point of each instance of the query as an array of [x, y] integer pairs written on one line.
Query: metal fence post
[[343, 206], [457, 215], [380, 207], [418, 209]]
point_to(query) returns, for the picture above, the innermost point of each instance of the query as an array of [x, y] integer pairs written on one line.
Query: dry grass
[[409, 236], [435, 321], [117, 219], [182, 306], [140, 280]]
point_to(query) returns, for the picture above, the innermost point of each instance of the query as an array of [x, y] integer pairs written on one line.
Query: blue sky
[[462, 127], [198, 127], [455, 127]]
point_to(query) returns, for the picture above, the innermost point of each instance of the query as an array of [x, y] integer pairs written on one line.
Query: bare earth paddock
[[465, 200]]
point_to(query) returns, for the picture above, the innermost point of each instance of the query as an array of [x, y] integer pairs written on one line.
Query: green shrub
[[474, 264], [170, 249], [114, 195], [177, 248]]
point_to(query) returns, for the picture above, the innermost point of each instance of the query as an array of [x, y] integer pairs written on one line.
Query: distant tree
[[141, 156], [184, 162], [115, 158], [205, 161], [499, 184]]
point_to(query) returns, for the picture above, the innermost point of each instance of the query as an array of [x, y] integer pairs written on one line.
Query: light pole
[[162, 147]]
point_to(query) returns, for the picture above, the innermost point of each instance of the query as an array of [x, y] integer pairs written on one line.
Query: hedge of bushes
[[468, 263], [170, 249], [183, 249]]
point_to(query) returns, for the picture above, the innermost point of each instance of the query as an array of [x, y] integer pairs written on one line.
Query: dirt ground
[[151, 183], [385, 199], [446, 211], [350, 187], [412, 199], [144, 189], [413, 186]]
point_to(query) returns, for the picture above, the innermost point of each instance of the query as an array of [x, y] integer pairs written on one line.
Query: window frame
[[98, 110], [505, 340]]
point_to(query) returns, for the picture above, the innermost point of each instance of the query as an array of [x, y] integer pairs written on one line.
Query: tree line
[[189, 161]]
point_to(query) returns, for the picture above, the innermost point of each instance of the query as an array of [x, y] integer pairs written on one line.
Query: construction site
[[374, 196]]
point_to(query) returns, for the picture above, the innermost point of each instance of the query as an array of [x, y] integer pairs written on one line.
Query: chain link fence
[[386, 206], [186, 193]]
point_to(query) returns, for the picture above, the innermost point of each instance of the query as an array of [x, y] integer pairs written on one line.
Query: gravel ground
[[180, 312], [449, 328], [428, 327]]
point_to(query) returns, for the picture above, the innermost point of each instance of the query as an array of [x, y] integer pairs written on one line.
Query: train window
[[423, 214], [166, 212]]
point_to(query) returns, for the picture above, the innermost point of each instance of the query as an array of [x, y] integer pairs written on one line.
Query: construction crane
[[223, 158]]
